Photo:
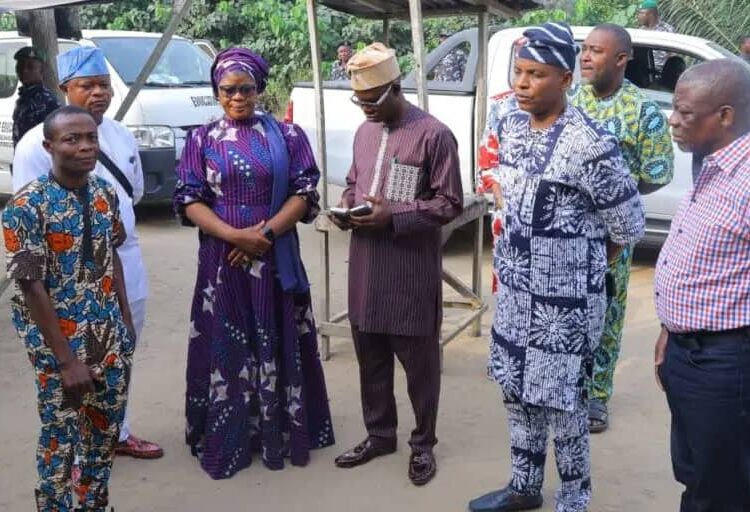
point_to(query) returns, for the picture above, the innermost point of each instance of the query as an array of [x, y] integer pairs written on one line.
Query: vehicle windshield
[[182, 65]]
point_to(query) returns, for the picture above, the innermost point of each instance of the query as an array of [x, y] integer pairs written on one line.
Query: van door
[[8, 94]]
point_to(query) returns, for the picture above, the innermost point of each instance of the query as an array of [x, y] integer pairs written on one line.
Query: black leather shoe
[[363, 453], [505, 500], [422, 467]]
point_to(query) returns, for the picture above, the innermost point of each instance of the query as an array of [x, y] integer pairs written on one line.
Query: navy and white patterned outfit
[[566, 189]]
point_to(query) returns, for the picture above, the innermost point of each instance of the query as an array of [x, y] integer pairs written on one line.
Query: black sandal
[[598, 416]]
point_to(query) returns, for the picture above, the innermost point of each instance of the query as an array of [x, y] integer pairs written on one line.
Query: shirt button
[[657, 294], [679, 231]]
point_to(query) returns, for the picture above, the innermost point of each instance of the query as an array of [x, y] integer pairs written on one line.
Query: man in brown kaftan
[[406, 168]]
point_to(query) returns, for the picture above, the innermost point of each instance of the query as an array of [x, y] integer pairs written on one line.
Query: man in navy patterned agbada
[[566, 190]]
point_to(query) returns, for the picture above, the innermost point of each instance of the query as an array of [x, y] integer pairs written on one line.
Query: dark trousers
[[420, 358], [707, 381]]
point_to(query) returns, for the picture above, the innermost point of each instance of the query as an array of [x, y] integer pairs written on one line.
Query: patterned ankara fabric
[[566, 189], [64, 238], [254, 378], [452, 67], [642, 132], [529, 427], [702, 278], [34, 104], [338, 72]]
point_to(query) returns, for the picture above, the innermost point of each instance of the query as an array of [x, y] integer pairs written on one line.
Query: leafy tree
[[722, 21]]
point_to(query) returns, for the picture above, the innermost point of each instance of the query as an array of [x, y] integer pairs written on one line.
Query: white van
[[176, 98]]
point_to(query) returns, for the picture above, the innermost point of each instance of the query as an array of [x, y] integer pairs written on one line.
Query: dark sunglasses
[[231, 90], [377, 103]]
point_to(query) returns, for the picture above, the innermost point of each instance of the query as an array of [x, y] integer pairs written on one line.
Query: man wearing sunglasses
[[405, 168]]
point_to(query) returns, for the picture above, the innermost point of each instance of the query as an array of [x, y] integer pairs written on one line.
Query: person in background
[[405, 167], [84, 78], [642, 133], [702, 292], [649, 19], [35, 102], [338, 71], [255, 382], [745, 48], [566, 190], [451, 67], [71, 310]]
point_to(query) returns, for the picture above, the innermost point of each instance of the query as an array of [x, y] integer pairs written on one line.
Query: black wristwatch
[[269, 234]]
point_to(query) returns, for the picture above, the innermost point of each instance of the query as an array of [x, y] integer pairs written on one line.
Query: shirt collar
[[729, 157]]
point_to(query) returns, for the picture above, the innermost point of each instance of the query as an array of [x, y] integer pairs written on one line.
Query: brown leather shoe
[[422, 467], [364, 452], [139, 448]]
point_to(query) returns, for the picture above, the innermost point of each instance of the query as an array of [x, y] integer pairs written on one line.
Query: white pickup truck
[[454, 102]]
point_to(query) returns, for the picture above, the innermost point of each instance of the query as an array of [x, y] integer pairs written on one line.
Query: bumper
[[159, 176]]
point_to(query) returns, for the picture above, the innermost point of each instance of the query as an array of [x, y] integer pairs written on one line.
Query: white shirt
[[31, 161]]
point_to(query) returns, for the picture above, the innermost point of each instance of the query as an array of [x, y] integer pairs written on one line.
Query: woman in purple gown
[[254, 378]]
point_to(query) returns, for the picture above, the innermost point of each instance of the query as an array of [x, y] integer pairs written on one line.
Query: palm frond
[[721, 21]]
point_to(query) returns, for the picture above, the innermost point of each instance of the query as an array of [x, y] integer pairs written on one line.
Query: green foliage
[[722, 21], [586, 13], [7, 22]]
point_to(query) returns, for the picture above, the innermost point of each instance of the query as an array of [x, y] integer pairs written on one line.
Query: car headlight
[[153, 137]]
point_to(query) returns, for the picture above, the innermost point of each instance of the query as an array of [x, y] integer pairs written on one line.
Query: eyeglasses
[[377, 103], [231, 90]]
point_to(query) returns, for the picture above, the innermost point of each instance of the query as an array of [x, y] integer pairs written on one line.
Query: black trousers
[[707, 381], [420, 358]]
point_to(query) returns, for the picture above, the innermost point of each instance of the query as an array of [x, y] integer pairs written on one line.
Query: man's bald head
[[619, 35], [711, 105], [721, 82]]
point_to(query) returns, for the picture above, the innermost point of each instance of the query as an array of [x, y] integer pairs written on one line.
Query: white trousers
[[138, 312]]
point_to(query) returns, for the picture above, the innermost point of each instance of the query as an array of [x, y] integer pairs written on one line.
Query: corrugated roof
[[379, 9]]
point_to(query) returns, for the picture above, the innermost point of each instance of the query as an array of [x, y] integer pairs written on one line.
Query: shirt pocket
[[401, 186]]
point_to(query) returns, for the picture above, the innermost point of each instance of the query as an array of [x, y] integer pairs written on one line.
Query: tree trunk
[[44, 37]]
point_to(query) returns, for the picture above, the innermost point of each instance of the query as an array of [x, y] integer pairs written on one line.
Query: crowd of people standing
[[567, 165]]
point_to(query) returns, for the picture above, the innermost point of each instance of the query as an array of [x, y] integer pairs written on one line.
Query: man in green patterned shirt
[[643, 133]]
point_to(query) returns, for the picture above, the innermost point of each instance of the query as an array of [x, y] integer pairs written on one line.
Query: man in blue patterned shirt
[[35, 102], [566, 190]]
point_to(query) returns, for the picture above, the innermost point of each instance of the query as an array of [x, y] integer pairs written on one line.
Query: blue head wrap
[[79, 62], [551, 43]]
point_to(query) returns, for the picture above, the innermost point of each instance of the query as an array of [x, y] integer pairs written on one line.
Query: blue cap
[[80, 62]]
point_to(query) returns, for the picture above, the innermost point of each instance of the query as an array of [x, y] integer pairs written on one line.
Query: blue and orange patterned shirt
[[66, 239]]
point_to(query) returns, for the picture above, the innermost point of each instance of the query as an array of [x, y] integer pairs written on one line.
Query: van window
[[183, 63], [8, 79]]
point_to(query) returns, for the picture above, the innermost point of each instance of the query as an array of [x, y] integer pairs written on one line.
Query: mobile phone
[[341, 213], [360, 211]]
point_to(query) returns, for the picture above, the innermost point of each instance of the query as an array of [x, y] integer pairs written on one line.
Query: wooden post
[[417, 37], [179, 9], [386, 31], [325, 303], [481, 96], [44, 37]]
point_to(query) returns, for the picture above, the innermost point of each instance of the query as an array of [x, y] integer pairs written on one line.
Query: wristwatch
[[269, 234]]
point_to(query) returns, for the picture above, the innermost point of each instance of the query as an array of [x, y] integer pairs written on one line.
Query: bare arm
[[208, 222], [76, 376], [291, 213]]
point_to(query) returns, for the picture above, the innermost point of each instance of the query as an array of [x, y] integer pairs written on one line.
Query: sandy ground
[[631, 468]]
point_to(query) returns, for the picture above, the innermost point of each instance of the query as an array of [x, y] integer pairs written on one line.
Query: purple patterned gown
[[254, 378]]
